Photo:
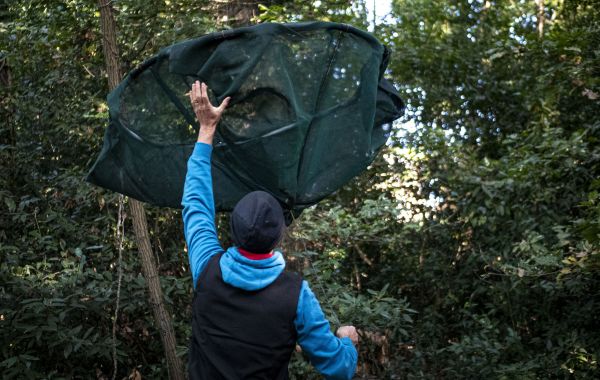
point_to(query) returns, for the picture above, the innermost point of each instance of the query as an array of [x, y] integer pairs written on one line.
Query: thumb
[[224, 104]]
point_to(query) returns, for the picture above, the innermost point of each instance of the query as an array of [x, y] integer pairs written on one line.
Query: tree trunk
[[161, 316], [140, 225], [541, 17], [7, 105], [235, 13]]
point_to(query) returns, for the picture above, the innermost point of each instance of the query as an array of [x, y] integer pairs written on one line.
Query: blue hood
[[249, 274]]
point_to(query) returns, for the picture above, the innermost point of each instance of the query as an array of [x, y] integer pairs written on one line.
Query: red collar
[[255, 256]]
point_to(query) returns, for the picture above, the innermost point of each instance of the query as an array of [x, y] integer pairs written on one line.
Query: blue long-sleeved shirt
[[334, 357]]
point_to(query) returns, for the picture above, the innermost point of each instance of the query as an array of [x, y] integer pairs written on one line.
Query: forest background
[[468, 249]]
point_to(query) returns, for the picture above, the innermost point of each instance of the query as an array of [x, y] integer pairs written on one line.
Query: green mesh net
[[309, 110]]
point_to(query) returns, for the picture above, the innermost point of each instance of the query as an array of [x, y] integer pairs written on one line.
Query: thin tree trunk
[[374, 16], [161, 316], [541, 17], [7, 104], [140, 225]]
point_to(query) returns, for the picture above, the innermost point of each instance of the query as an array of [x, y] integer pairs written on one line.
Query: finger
[[204, 94], [224, 104], [200, 95], [195, 91]]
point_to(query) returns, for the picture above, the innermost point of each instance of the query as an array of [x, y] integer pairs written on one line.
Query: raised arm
[[198, 201]]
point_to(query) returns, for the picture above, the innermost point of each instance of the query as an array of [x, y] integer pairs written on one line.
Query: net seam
[[323, 80]]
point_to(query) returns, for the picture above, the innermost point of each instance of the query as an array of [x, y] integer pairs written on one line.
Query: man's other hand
[[349, 332], [208, 115]]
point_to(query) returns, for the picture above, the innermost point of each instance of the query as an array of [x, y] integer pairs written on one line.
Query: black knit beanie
[[257, 222]]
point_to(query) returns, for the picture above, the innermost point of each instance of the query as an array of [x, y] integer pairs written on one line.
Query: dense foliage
[[469, 249]]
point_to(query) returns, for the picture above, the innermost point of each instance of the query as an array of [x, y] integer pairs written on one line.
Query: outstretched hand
[[348, 332], [208, 115]]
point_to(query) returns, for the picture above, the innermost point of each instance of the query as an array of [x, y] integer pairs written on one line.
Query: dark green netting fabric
[[310, 109]]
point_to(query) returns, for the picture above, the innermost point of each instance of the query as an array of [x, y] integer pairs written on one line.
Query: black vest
[[240, 334]]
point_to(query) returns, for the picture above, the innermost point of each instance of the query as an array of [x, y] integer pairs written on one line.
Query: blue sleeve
[[199, 211], [335, 358]]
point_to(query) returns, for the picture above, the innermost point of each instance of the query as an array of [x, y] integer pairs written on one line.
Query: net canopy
[[309, 110]]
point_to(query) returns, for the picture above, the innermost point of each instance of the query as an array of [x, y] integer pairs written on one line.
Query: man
[[247, 313]]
